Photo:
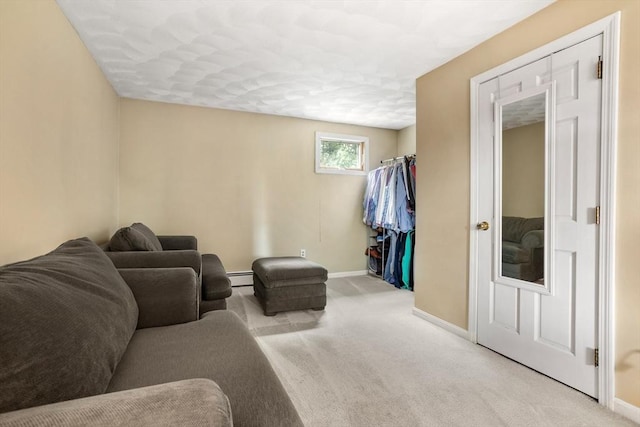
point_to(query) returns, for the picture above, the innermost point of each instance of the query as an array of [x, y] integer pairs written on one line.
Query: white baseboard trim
[[627, 410], [245, 278], [240, 278], [347, 274], [450, 327]]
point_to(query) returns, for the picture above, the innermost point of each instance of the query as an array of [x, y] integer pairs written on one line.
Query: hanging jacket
[[405, 218]]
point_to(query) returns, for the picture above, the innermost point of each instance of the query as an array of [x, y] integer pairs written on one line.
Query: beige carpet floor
[[368, 361]]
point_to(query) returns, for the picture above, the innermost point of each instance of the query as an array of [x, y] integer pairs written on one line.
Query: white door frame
[[609, 27]]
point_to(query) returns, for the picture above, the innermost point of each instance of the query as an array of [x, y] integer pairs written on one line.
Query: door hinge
[[596, 357], [599, 69], [597, 215]]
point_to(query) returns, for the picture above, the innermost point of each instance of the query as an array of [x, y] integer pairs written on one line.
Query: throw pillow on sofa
[[66, 319], [137, 237], [148, 234]]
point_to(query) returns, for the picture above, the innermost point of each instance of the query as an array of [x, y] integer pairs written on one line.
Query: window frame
[[362, 141]]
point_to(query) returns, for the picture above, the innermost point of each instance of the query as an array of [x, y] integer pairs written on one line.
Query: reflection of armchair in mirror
[[523, 193], [523, 248]]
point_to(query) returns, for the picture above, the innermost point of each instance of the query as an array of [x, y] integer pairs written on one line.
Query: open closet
[[389, 210]]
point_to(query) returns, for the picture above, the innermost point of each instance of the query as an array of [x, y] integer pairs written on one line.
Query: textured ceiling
[[340, 61]]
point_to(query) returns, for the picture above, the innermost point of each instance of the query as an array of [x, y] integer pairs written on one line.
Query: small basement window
[[341, 154]]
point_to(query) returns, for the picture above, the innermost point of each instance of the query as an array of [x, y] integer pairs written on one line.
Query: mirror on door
[[521, 197]]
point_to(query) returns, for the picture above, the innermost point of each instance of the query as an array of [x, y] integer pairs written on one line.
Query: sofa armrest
[[533, 239], [165, 296], [215, 282], [172, 243], [194, 402], [156, 259]]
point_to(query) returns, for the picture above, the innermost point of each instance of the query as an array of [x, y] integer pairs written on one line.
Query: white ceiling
[[339, 61]]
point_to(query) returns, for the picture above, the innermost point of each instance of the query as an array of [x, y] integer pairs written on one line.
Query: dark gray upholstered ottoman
[[289, 283]]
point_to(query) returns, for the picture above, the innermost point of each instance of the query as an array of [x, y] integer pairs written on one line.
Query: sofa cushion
[[233, 359], [513, 253], [148, 234], [66, 318], [129, 239]]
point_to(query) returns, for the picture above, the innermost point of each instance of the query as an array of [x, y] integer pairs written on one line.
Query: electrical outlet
[[303, 253]]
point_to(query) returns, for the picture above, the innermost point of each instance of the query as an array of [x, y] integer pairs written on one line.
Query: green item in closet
[[406, 261]]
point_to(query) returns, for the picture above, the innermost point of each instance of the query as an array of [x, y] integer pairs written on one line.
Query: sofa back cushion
[[514, 228], [137, 237], [66, 319]]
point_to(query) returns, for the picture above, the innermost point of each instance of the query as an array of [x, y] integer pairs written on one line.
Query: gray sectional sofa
[[84, 343]]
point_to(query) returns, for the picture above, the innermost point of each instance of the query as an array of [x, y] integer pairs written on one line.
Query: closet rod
[[393, 159]]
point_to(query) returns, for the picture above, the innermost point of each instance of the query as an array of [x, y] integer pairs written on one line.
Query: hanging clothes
[[389, 216], [371, 196], [405, 215], [410, 187], [390, 267], [388, 201], [389, 205], [402, 237], [407, 262]]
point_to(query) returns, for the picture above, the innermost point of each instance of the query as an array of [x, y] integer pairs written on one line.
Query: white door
[[541, 315]]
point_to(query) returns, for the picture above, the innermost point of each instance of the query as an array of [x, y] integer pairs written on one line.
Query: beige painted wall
[[523, 171], [58, 134], [407, 141], [442, 244], [243, 183]]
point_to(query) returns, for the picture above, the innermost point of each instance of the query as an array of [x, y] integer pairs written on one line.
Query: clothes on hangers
[[407, 261], [390, 266], [405, 217], [389, 200], [389, 204]]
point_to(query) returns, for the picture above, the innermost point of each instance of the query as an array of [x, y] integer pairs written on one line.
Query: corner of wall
[[117, 171], [407, 140]]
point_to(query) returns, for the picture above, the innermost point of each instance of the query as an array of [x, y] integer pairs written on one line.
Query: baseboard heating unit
[[241, 278]]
